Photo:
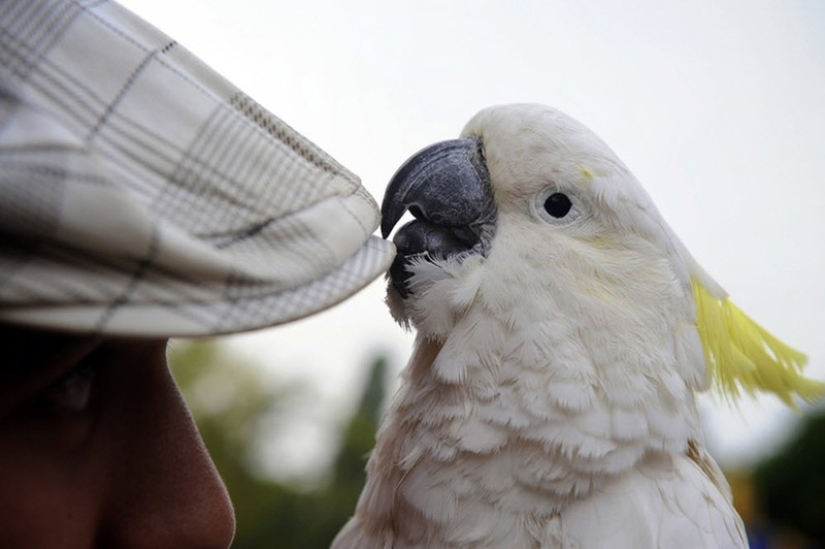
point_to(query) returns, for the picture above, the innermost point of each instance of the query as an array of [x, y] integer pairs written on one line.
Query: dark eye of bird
[[557, 205]]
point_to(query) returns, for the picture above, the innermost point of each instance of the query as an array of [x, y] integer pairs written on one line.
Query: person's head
[[142, 197]]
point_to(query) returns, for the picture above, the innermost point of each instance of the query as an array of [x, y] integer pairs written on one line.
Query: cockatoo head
[[530, 218], [530, 177]]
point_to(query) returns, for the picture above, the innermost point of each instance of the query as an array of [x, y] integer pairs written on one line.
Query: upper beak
[[446, 187]]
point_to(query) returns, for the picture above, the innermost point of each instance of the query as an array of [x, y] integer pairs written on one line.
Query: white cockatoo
[[563, 333]]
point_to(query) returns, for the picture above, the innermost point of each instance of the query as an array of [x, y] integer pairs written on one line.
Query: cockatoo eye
[[557, 205]]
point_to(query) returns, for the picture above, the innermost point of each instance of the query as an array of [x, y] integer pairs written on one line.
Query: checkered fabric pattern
[[142, 194]]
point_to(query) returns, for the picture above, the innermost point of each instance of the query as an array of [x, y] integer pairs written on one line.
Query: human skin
[[98, 449]]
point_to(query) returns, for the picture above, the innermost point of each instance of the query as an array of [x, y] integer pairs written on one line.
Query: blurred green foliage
[[790, 485], [232, 402]]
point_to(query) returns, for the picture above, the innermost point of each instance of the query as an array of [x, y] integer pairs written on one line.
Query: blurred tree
[[231, 402], [348, 473], [790, 485]]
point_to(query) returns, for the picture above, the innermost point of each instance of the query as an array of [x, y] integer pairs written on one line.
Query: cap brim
[[214, 317]]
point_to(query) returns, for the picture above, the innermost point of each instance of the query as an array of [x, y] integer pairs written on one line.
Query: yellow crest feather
[[742, 354]]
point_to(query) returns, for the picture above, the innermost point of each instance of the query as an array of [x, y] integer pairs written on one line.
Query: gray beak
[[446, 187]]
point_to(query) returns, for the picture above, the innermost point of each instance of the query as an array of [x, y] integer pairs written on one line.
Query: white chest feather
[[521, 420], [502, 441]]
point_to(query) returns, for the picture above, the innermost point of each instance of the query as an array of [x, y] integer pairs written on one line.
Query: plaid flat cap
[[142, 194]]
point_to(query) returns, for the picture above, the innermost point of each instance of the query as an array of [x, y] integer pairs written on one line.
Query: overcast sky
[[717, 106]]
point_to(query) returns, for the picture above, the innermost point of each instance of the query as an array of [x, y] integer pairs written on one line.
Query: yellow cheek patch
[[741, 354], [588, 174]]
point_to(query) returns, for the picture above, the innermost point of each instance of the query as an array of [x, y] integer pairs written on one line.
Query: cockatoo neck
[[563, 387]]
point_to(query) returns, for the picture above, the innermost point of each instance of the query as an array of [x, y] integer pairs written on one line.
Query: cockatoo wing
[[675, 507]]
